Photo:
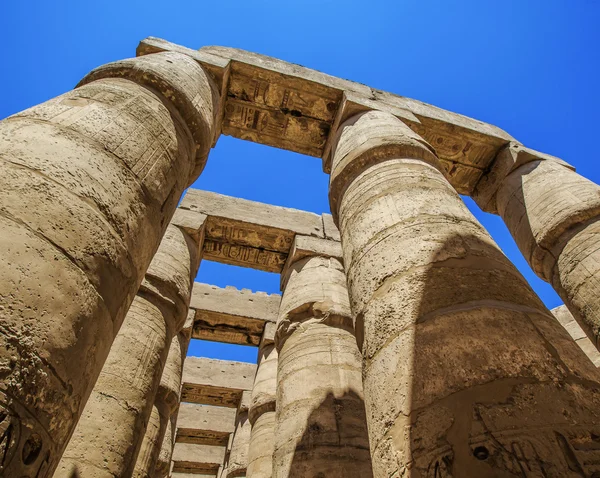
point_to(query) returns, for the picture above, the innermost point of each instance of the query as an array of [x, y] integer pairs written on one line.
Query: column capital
[[509, 158], [369, 138], [309, 246], [315, 292], [183, 82]]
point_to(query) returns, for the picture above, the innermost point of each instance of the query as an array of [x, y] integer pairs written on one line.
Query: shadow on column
[[335, 442], [482, 380]]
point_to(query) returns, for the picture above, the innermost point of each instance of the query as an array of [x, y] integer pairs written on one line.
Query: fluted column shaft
[[88, 183], [166, 402], [262, 408], [466, 373], [553, 214], [320, 420]]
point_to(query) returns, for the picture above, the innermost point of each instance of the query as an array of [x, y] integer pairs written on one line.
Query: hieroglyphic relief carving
[[255, 258], [527, 454], [19, 443], [276, 112], [224, 230]]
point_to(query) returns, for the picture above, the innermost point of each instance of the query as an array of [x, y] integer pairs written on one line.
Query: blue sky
[[530, 67]]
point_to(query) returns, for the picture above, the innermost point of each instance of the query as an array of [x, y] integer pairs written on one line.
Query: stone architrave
[[321, 428], [262, 408], [88, 183], [553, 214], [466, 373], [107, 438], [167, 405]]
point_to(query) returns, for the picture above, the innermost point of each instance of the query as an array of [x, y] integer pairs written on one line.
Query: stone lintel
[[288, 106], [304, 246], [509, 158], [192, 224], [216, 382], [192, 458], [230, 315], [566, 319], [268, 336], [245, 401], [205, 424], [248, 233], [329, 228]]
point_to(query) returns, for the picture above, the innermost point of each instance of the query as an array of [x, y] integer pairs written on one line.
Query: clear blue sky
[[530, 67]]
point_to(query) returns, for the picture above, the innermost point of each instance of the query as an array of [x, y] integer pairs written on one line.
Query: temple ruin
[[404, 343]]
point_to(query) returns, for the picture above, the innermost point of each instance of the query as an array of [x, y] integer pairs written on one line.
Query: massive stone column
[[466, 373], [107, 438], [166, 405], [88, 183], [553, 214], [320, 419], [262, 408], [237, 460], [163, 462]]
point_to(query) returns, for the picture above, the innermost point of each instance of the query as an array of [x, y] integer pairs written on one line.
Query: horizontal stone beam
[[231, 315], [216, 382], [281, 104], [191, 458], [204, 424], [248, 233]]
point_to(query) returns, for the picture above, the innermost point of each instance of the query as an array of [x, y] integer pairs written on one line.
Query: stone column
[[107, 438], [166, 402], [163, 463], [88, 183], [320, 420], [237, 461], [466, 373], [262, 408], [553, 214], [566, 319]]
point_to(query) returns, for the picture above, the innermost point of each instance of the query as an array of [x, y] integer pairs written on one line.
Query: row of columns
[[461, 362], [122, 427]]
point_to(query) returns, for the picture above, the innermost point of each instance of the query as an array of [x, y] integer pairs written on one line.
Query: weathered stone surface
[[261, 413], [305, 246], [205, 424], [567, 320], [237, 461], [216, 382], [163, 462], [466, 373], [197, 459], [114, 419], [262, 442], [147, 457], [87, 191], [329, 228], [552, 213], [273, 102], [248, 233], [321, 426], [231, 315]]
